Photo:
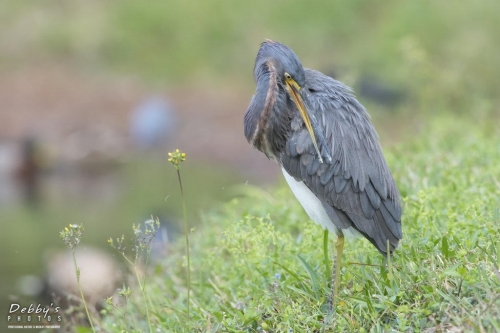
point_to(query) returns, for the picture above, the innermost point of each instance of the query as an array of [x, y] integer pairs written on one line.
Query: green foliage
[[258, 265]]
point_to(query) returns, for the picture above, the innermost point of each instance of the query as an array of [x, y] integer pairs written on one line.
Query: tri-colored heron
[[328, 150]]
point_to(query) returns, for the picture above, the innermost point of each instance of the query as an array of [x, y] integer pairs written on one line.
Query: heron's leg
[[337, 263]]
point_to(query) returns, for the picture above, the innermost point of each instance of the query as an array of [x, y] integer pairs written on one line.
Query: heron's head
[[274, 56], [280, 78]]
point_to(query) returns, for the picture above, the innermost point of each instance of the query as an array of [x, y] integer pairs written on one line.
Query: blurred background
[[93, 94]]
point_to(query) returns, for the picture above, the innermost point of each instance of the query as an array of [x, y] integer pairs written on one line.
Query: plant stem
[[77, 270], [143, 292], [126, 304], [186, 232]]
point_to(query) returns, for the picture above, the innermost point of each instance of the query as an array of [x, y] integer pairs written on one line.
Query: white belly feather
[[313, 206]]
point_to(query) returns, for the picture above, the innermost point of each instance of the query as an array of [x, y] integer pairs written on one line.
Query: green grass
[[257, 263]]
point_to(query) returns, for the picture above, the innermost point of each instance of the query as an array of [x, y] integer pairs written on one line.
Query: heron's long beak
[[293, 89]]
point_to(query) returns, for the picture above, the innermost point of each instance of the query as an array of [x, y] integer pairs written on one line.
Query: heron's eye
[[288, 76]]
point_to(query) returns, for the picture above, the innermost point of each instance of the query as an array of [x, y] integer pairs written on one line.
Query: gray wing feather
[[395, 230], [291, 147], [313, 166], [356, 187], [303, 141], [395, 210], [294, 166], [326, 174], [372, 195], [340, 183], [366, 205]]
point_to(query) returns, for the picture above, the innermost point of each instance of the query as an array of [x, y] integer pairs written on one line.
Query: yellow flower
[[176, 157]]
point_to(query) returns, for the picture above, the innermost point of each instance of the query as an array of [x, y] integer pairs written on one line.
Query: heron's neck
[[258, 118]]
